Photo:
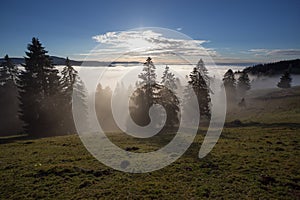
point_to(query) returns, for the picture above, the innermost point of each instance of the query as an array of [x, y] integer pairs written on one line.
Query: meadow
[[256, 157]]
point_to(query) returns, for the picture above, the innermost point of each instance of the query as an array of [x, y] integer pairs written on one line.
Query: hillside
[[257, 159], [275, 68]]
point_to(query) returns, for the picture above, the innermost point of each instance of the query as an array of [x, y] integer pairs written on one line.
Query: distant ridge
[[56, 61], [269, 69], [62, 61]]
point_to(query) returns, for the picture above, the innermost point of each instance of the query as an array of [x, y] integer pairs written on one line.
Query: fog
[[127, 76]]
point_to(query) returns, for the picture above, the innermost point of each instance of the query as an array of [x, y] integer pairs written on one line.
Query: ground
[[257, 157]]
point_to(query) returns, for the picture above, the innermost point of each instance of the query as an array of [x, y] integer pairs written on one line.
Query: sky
[[233, 31]]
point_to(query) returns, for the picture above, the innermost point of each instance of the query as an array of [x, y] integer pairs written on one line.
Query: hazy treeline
[[269, 69], [38, 100], [148, 91]]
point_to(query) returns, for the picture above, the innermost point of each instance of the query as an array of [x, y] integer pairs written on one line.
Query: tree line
[[149, 90], [38, 95], [40, 98], [236, 88]]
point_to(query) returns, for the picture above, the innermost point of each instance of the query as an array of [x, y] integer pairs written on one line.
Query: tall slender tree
[[198, 85], [9, 122], [146, 95], [203, 71], [285, 80], [169, 99], [243, 83], [230, 85], [39, 86], [68, 80]]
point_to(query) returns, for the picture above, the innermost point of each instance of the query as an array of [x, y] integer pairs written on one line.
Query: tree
[[230, 85], [203, 71], [169, 99], [68, 79], [103, 108], [198, 85], [9, 105], [146, 95], [80, 104], [148, 82], [285, 80], [243, 83], [39, 86]]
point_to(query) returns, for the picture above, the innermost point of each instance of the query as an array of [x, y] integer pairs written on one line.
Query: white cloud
[[275, 52], [179, 29], [150, 43]]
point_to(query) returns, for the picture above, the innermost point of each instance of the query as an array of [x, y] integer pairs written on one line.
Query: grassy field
[[257, 158]]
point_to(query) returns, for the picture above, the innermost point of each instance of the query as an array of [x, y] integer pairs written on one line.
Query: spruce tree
[[148, 82], [9, 122], [68, 80], [203, 71], [230, 85], [146, 95], [198, 85], [169, 99], [243, 83], [80, 104], [285, 80], [39, 86]]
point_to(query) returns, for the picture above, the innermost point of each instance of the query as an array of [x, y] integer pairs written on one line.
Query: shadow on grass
[[238, 123]]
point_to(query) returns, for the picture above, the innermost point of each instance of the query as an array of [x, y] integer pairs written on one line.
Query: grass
[[255, 161]]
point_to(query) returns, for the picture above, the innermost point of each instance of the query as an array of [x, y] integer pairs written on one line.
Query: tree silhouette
[[147, 94], [243, 83], [9, 122], [168, 98], [230, 85], [103, 108], [198, 85], [285, 80], [203, 71], [68, 80], [39, 86]]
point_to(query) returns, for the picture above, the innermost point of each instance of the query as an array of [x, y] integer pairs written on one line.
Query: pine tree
[[285, 80], [68, 80], [146, 95], [9, 123], [198, 85], [103, 108], [168, 79], [80, 105], [168, 98], [8, 72], [39, 86], [203, 71], [148, 83], [243, 83], [230, 85]]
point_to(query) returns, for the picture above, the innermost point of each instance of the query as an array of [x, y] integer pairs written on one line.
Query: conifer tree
[[243, 83], [285, 80], [146, 95], [9, 105], [169, 99], [201, 90], [203, 71], [230, 85], [39, 88], [68, 79]]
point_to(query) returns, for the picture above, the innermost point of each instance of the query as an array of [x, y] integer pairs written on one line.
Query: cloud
[[150, 43], [275, 52], [179, 29]]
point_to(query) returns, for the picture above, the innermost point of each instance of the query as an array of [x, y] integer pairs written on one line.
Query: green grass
[[258, 161]]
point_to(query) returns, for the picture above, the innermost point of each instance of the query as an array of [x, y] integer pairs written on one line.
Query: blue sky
[[258, 31]]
